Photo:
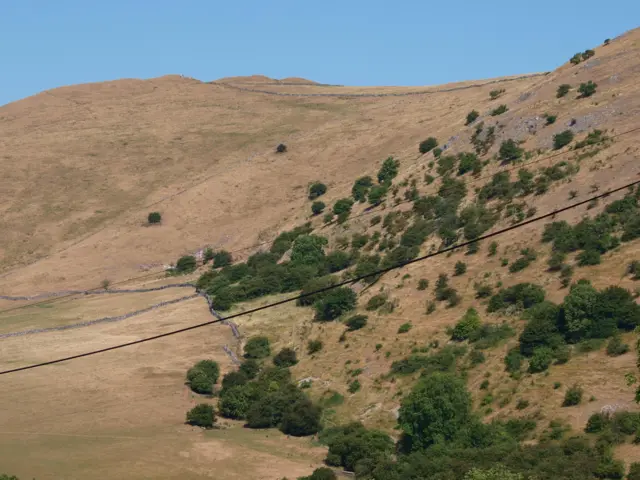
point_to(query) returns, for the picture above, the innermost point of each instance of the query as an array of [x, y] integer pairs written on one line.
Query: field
[[82, 166]]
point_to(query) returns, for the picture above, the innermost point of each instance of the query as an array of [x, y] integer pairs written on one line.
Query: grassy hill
[[82, 167]]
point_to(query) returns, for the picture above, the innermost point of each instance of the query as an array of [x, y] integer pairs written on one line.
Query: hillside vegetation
[[512, 357]]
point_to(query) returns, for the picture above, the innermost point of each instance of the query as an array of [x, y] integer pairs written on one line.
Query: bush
[[525, 295], [203, 375], [615, 347], [257, 347], [573, 396], [556, 261], [250, 368], [234, 379], [335, 303], [562, 139], [342, 206], [493, 249], [285, 358], [313, 285], [302, 418], [551, 119], [388, 171], [154, 218], [423, 284], [337, 261], [201, 415], [317, 207], [563, 90], [499, 110], [322, 473], [437, 152], [541, 359], [471, 117], [351, 445], [377, 194], [460, 268], [428, 145], [587, 89], [361, 188], [634, 468], [437, 410], [576, 59], [314, 346], [589, 257], [281, 148], [513, 360], [509, 151], [186, 264], [359, 240], [221, 258], [493, 94], [466, 326], [376, 302], [476, 357], [356, 322], [317, 189], [404, 328], [597, 423], [354, 386]]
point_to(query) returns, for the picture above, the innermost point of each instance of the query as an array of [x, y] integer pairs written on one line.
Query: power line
[[370, 211], [322, 290]]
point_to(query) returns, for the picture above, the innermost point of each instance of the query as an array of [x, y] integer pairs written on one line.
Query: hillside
[[82, 166]]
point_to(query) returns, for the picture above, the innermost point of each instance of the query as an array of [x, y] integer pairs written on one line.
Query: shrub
[[335, 303], [493, 94], [234, 379], [361, 188], [476, 357], [314, 346], [499, 110], [322, 473], [201, 415], [525, 295], [597, 423], [302, 418], [563, 90], [376, 301], [556, 261], [377, 194], [460, 268], [317, 207], [493, 249], [250, 368], [573, 396], [221, 258], [541, 359], [352, 444], [313, 285], [423, 284], [551, 119], [428, 145], [354, 386], [509, 151], [356, 322], [562, 139], [588, 54], [342, 206], [285, 358], [471, 117], [589, 257], [634, 468], [359, 240], [154, 218], [469, 162], [576, 59], [257, 347], [466, 326], [587, 89], [317, 189], [186, 264], [404, 328], [437, 410], [615, 347], [388, 171], [437, 152], [281, 148], [337, 261], [203, 375], [513, 360]]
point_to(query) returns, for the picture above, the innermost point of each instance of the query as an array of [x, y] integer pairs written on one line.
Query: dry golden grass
[[82, 166]]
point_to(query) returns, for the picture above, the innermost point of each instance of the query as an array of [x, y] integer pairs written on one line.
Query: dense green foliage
[[322, 473], [471, 117], [356, 322], [203, 376], [317, 189], [317, 207], [428, 145], [154, 218], [587, 89], [562, 139], [257, 347], [466, 326], [499, 110], [388, 171], [510, 151], [335, 303], [563, 90], [522, 295], [186, 264], [285, 358], [201, 415], [361, 187]]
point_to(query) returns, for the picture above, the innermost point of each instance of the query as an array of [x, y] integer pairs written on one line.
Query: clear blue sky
[[49, 43]]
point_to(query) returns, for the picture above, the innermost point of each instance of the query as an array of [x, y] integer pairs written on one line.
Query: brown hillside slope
[[80, 164]]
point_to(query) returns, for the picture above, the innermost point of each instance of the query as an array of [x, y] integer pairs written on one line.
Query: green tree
[[587, 89], [541, 329], [154, 218], [377, 194], [336, 302], [203, 375], [541, 359], [460, 268], [499, 110], [285, 358], [221, 259], [353, 444], [314, 346], [308, 250], [201, 415], [471, 117], [322, 473], [466, 326], [563, 90], [361, 188], [337, 261], [578, 311], [562, 139], [388, 171], [499, 472], [510, 151], [428, 145], [257, 347], [573, 396], [437, 410], [234, 378], [576, 59], [342, 208], [236, 401], [634, 471], [356, 322], [317, 207], [186, 264], [250, 368], [316, 190], [301, 419]]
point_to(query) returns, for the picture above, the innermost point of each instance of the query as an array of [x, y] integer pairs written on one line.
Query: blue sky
[[46, 43]]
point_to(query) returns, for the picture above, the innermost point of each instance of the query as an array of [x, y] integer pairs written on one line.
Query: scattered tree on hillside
[[222, 258], [201, 415], [203, 376], [281, 148], [471, 117], [186, 264], [317, 207], [257, 347], [587, 89], [499, 110], [388, 171], [154, 218], [361, 188], [285, 358], [563, 90], [317, 189], [510, 151], [493, 94]]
